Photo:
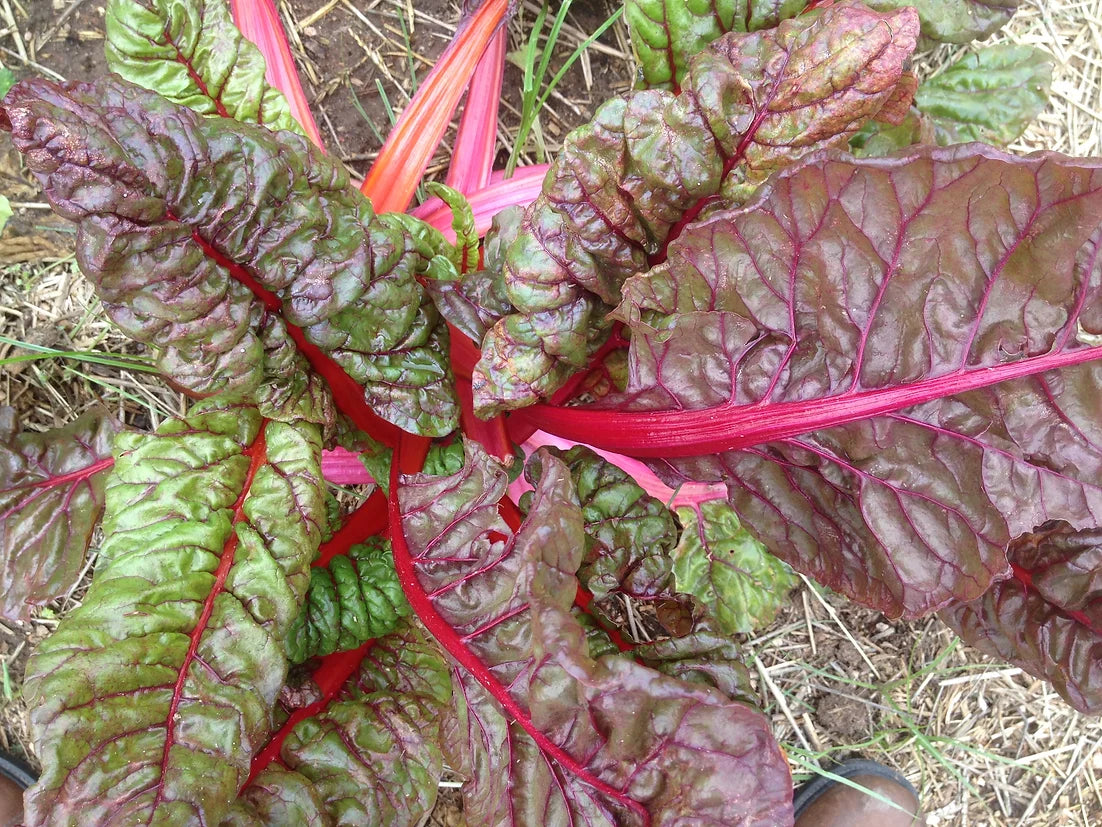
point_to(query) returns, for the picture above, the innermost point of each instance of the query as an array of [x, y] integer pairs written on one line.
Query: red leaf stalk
[[447, 636], [366, 521], [330, 677], [730, 427], [392, 179], [258, 20], [476, 138]]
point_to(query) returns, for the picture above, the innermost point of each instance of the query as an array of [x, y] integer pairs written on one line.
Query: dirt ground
[[985, 744]]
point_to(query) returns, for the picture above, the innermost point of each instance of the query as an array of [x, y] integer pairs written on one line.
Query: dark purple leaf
[[51, 498], [544, 733], [1047, 618], [892, 363], [647, 164]]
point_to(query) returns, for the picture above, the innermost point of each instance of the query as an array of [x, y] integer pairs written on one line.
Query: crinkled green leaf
[[354, 599], [751, 104], [232, 250], [278, 797], [51, 498], [666, 34], [894, 379], [150, 698], [5, 212], [723, 566], [544, 733], [956, 21], [192, 53], [477, 300], [876, 139], [991, 95], [1047, 617], [629, 534], [373, 755]]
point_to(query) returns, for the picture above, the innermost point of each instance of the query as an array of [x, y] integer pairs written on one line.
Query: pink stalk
[[258, 20], [476, 138], [731, 427], [457, 647], [518, 191], [690, 494], [343, 467], [392, 179]]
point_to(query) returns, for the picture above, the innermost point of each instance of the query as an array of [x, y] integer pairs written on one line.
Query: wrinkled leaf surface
[[544, 733], [1047, 617], [751, 104], [149, 700], [193, 54], [51, 498]]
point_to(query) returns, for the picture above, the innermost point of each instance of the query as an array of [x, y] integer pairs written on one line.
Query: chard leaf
[[894, 378], [51, 498], [150, 699], [628, 533], [956, 21], [666, 34], [373, 755], [1047, 617], [354, 599], [194, 55], [719, 563], [752, 103], [704, 656], [278, 797], [243, 256], [545, 733], [991, 95]]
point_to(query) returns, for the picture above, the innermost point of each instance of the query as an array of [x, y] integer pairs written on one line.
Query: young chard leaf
[[1046, 617], [149, 699], [51, 498], [241, 255], [374, 755], [892, 363], [719, 563], [666, 34], [751, 104], [354, 599], [194, 55], [991, 95], [545, 734], [956, 21]]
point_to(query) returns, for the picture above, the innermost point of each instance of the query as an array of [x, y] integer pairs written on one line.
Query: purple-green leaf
[[893, 364], [1047, 617], [278, 797], [245, 257], [752, 103], [956, 21], [149, 700], [51, 498], [666, 34], [544, 733], [373, 755]]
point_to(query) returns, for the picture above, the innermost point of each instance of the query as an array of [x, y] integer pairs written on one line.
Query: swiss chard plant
[[763, 313]]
